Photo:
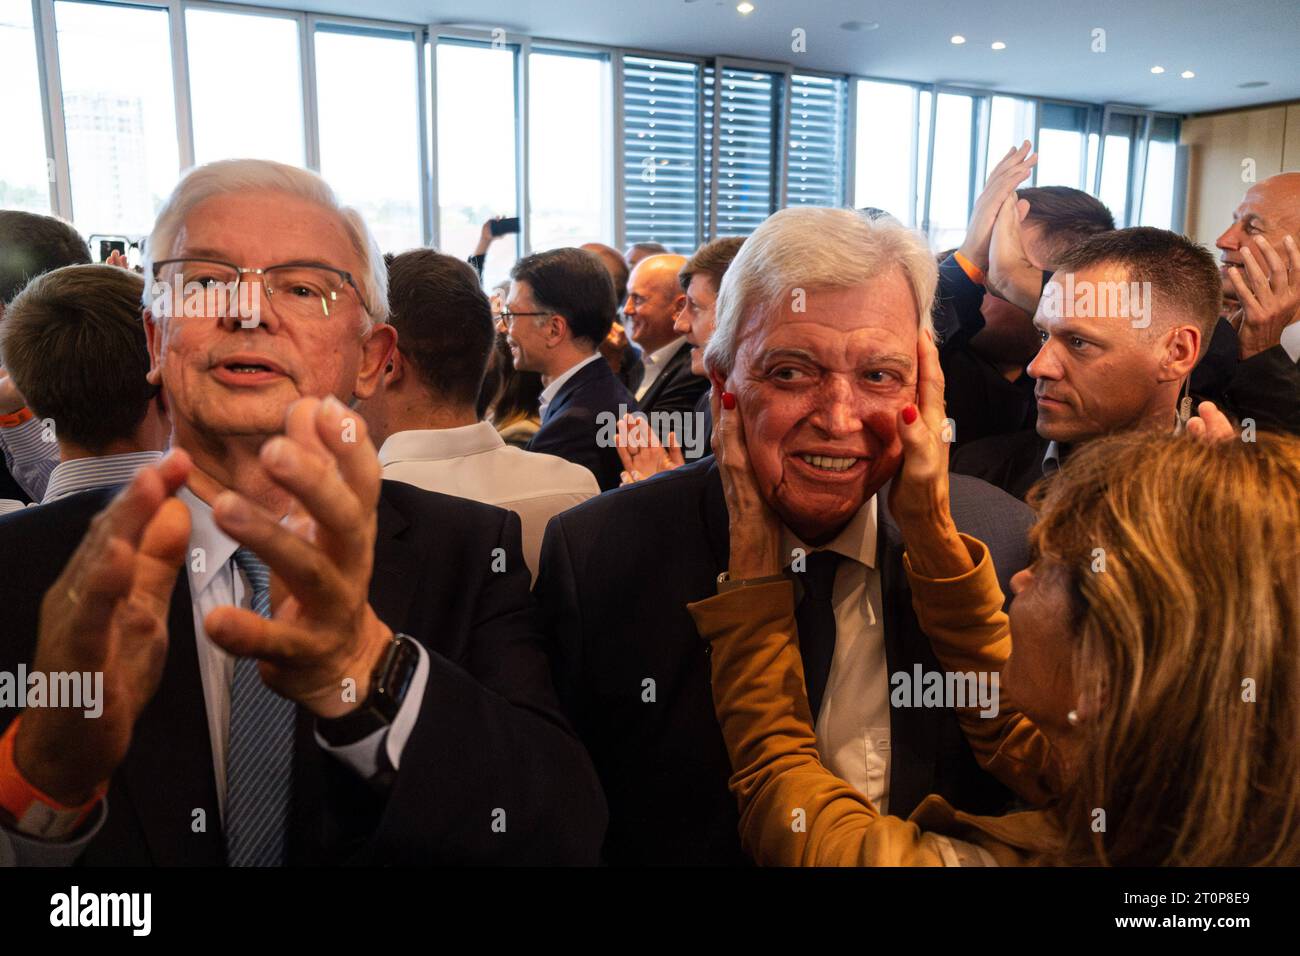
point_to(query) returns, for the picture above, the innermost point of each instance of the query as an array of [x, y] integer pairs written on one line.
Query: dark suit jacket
[[578, 425], [677, 388], [490, 733], [1011, 462], [616, 575], [1265, 387]]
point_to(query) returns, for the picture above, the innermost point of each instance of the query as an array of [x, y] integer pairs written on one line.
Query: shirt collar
[[664, 355], [436, 444], [83, 474], [856, 540], [210, 547], [551, 390], [1052, 459]]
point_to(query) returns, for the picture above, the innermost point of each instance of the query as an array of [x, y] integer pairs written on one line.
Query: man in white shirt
[[74, 347], [423, 413]]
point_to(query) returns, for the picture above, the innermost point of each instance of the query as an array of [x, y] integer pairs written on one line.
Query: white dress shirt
[[1291, 341], [654, 364], [214, 582], [473, 461], [553, 388], [853, 737]]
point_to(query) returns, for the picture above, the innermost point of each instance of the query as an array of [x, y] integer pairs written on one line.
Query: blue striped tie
[[260, 759]]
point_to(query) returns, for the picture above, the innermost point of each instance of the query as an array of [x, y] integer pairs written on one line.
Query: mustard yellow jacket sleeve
[[793, 811], [969, 632]]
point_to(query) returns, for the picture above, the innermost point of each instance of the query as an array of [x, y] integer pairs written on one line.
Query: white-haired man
[[399, 628], [819, 321]]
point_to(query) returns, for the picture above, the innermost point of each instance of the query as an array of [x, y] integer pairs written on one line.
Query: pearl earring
[[1073, 718]]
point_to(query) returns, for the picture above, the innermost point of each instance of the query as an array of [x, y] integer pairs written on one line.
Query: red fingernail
[[909, 414], [728, 401]]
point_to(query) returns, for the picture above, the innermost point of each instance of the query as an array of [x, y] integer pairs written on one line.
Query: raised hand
[[918, 495], [1270, 300], [1011, 276], [323, 630], [1013, 169], [107, 613], [641, 452], [11, 400]]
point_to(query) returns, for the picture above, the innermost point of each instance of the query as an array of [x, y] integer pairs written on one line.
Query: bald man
[[1252, 359], [654, 300]]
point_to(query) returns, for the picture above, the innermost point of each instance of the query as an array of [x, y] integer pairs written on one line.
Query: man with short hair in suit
[[820, 377], [343, 669], [559, 310], [655, 299]]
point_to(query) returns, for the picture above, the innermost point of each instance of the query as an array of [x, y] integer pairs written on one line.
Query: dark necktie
[[259, 761], [815, 616]]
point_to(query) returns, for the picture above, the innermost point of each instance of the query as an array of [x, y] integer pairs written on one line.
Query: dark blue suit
[[577, 425]]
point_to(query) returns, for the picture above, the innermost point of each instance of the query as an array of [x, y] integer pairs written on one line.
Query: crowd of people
[[311, 554]]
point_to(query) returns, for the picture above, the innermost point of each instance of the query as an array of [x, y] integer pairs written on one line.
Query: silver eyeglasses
[[208, 287]]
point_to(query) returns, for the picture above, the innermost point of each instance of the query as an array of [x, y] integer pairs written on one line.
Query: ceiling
[[1048, 43]]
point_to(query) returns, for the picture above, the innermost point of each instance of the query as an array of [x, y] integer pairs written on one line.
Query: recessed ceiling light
[[999, 45], [1187, 74], [958, 39], [1157, 69], [745, 8]]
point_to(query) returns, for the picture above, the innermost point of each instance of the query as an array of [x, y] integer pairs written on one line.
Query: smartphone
[[110, 244], [501, 227]]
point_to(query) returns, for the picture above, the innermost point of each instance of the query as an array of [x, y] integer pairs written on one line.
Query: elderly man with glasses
[[299, 662]]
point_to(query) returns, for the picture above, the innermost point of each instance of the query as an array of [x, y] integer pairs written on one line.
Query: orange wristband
[[37, 813], [973, 272], [16, 418]]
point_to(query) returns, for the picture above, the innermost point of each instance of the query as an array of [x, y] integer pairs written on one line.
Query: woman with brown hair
[[1150, 710]]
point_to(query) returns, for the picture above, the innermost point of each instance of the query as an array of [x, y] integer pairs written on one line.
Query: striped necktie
[[259, 761]]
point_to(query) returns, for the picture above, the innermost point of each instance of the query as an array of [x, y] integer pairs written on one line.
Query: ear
[[377, 351], [153, 335], [679, 303], [1182, 348], [716, 380], [557, 330]]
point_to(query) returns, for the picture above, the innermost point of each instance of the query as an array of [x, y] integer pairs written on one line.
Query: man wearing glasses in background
[[560, 309], [300, 664]]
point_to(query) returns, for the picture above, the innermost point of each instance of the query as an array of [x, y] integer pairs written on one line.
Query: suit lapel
[[669, 372], [392, 580], [168, 771]]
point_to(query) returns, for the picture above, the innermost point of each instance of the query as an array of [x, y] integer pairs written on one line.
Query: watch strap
[[34, 812]]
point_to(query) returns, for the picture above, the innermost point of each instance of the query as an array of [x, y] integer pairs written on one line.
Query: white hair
[[249, 175], [814, 248]]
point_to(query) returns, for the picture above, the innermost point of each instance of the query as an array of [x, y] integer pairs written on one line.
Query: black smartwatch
[[388, 687]]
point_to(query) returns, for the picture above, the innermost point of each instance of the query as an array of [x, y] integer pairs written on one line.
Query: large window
[[1159, 203], [950, 176], [476, 149], [1011, 122], [118, 112], [1122, 134], [885, 173], [24, 179], [815, 151], [369, 107], [245, 86], [568, 150], [1062, 147], [661, 152]]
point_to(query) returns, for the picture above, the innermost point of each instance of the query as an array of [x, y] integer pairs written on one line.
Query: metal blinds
[[744, 191], [815, 145], [661, 152]]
